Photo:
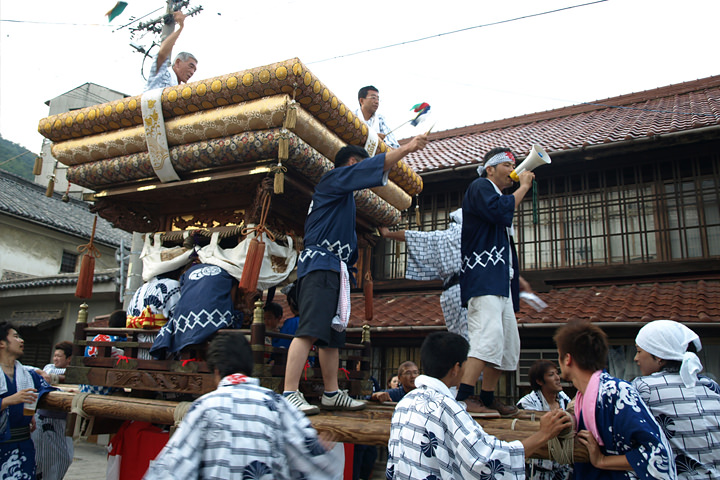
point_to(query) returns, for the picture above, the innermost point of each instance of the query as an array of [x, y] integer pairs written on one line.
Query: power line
[[457, 31], [16, 156], [56, 23]]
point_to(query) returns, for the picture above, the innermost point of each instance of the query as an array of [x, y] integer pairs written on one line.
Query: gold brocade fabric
[[243, 148], [289, 77]]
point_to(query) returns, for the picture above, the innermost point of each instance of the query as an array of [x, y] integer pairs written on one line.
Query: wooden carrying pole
[[367, 427]]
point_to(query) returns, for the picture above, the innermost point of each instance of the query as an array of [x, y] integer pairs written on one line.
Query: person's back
[[242, 430], [433, 436]]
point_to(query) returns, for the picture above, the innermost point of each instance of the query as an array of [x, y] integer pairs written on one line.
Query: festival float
[[211, 166]]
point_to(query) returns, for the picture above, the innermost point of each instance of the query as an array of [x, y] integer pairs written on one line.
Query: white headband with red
[[496, 159]]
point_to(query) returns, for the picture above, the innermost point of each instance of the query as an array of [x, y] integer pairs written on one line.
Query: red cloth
[[137, 443], [349, 455]]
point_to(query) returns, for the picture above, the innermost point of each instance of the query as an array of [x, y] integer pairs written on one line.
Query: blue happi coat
[[486, 250], [205, 306], [330, 226], [17, 459], [627, 427]]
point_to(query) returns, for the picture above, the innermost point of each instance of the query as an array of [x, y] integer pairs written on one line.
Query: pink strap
[[585, 405]]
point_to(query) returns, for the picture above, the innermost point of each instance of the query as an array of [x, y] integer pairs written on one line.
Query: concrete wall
[[36, 250]]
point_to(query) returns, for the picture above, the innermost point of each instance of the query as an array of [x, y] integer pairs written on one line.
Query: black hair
[[118, 319], [230, 353], [5, 328], [362, 93], [492, 153], [441, 351], [66, 347], [274, 308], [537, 372], [586, 343], [342, 157]]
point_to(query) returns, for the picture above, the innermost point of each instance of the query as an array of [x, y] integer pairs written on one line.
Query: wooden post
[[257, 338], [80, 324]]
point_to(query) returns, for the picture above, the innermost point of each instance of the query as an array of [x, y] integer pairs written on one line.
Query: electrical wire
[[499, 22], [16, 156]]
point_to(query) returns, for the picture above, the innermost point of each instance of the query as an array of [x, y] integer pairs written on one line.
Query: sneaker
[[341, 401], [297, 400], [477, 409], [505, 410]]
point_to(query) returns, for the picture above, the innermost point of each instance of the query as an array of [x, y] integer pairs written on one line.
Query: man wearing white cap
[[685, 404]]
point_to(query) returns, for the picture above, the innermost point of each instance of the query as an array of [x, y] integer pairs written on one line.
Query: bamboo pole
[[368, 427]]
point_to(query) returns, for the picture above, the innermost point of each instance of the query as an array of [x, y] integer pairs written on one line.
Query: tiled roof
[[102, 276], [675, 108], [693, 301], [24, 199]]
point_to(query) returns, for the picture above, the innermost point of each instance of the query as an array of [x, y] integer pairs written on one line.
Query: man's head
[[497, 165], [118, 319], [184, 66], [581, 346], [350, 155], [230, 353], [62, 354], [407, 373], [273, 315], [441, 352], [544, 376], [11, 343], [369, 98]]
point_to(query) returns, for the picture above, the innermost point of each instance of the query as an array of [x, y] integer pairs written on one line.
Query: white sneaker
[[341, 401], [297, 400]]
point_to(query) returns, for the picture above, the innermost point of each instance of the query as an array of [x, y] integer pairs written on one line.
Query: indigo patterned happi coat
[[627, 427]]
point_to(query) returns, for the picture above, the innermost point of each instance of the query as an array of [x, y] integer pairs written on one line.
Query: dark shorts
[[317, 294]]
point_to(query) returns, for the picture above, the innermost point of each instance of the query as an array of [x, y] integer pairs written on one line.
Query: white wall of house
[[34, 249]]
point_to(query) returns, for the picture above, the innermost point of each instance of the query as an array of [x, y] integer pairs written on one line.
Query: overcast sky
[[527, 65]]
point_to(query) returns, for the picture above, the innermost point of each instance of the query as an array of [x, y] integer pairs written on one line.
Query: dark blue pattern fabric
[[627, 428], [330, 235]]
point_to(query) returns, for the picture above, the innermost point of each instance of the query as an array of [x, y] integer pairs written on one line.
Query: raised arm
[[398, 235], [169, 42], [394, 156]]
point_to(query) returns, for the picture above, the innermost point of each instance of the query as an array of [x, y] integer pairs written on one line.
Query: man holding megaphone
[[489, 279]]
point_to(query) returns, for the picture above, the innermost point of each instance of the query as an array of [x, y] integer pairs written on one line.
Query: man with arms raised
[[184, 66], [330, 250]]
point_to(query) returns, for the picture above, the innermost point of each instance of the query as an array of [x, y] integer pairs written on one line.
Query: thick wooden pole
[[367, 427]]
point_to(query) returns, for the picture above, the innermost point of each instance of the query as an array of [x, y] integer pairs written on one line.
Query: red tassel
[[85, 279], [368, 291], [87, 267], [253, 262]]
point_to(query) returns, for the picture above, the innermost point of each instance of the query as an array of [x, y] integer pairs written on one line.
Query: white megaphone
[[535, 158]]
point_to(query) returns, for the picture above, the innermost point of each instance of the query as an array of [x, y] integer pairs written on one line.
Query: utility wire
[[16, 156], [56, 23], [457, 31]]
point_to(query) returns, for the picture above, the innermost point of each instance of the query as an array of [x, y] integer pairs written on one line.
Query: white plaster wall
[[35, 250]]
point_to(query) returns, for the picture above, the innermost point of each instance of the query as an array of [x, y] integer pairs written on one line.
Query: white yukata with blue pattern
[[436, 255], [690, 419], [433, 437], [244, 431], [162, 77]]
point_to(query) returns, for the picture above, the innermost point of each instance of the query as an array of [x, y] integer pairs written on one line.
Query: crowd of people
[[664, 424]]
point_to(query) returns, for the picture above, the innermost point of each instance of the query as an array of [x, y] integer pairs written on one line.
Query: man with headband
[[685, 404], [489, 266]]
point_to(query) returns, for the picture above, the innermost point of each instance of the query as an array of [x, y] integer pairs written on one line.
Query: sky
[[518, 60]]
